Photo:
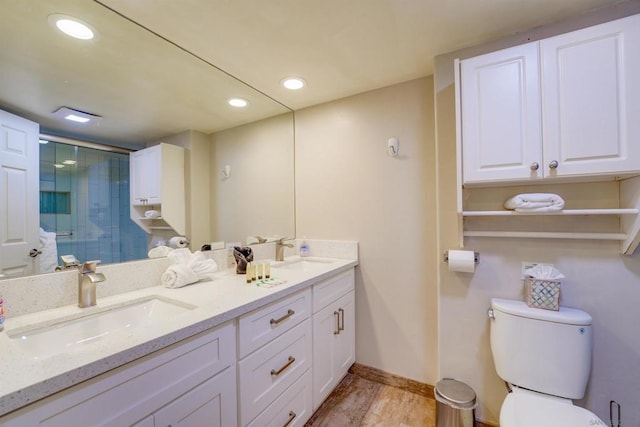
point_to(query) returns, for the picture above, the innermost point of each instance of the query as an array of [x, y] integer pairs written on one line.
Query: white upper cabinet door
[[19, 194], [146, 176], [500, 108], [591, 92]]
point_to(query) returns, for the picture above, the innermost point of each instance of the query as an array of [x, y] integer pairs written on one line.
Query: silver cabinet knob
[[534, 166], [553, 164]]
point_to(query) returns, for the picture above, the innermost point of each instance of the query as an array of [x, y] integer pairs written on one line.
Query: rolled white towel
[[535, 202], [201, 265], [49, 249], [177, 276]]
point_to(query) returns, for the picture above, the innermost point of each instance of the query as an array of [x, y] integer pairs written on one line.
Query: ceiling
[[340, 47], [146, 87]]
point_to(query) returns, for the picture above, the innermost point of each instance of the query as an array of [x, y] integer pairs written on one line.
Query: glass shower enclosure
[[84, 199]]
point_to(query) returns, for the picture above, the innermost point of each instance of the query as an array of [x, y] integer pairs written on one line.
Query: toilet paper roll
[[178, 242], [462, 261]]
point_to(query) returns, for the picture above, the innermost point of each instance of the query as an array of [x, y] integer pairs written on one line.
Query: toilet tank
[[542, 350]]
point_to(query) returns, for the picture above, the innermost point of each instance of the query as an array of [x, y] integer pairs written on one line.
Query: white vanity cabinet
[[157, 177], [275, 346], [183, 384], [562, 107], [333, 333]]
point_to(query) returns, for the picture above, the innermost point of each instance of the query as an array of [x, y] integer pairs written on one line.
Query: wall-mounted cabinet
[[562, 109], [157, 183], [565, 106]]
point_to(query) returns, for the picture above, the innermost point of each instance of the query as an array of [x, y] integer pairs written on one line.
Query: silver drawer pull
[[275, 322], [341, 324], [337, 331], [286, 365], [292, 416]]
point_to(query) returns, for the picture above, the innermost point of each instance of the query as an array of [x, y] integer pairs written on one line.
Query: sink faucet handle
[[281, 240], [89, 266]]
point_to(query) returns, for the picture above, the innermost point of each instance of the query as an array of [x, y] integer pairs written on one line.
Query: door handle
[[337, 331], [34, 253], [341, 324]]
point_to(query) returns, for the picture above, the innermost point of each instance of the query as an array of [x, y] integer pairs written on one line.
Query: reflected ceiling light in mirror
[[43, 141], [69, 162], [58, 165], [72, 26], [293, 83], [76, 115], [238, 102]]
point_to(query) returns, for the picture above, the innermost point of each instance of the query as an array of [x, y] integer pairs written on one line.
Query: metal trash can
[[455, 404]]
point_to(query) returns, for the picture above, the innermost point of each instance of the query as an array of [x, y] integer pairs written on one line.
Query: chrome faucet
[[87, 280], [280, 245]]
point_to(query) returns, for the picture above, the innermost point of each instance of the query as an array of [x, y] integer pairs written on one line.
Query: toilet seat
[[526, 408]]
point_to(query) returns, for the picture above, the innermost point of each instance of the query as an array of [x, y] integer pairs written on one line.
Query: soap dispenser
[[304, 248]]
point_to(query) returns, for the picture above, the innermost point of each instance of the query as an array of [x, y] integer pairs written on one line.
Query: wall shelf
[[562, 212], [546, 235]]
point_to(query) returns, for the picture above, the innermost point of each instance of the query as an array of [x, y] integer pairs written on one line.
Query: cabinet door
[[333, 346], [146, 176], [591, 95], [500, 115], [211, 404]]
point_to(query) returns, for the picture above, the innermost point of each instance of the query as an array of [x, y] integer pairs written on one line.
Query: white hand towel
[[159, 252], [201, 265], [49, 249], [535, 202], [180, 256], [177, 276]]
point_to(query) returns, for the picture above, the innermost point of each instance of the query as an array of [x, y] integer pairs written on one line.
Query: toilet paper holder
[[476, 257]]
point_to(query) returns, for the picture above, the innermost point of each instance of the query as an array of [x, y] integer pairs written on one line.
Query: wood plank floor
[[362, 402]]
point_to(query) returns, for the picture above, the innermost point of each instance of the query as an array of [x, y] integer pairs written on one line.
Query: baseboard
[[402, 383], [377, 375]]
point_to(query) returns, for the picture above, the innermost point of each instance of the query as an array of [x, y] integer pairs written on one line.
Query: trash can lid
[[455, 392]]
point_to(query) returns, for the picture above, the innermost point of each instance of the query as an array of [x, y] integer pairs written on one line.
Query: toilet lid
[[524, 408]]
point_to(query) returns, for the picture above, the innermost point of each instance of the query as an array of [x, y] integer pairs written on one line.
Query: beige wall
[[258, 197], [348, 188], [599, 279]]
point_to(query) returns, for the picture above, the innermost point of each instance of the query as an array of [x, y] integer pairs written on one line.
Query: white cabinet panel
[[211, 404], [292, 409], [263, 325], [270, 370], [333, 345], [592, 99], [501, 127]]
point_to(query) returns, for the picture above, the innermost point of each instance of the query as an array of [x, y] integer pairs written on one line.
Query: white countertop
[[24, 379]]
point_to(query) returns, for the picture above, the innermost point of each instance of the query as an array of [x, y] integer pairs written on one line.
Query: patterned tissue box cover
[[542, 293]]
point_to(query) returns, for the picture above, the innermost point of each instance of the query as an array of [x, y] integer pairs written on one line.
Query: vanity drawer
[[263, 325], [269, 371], [327, 291], [294, 406]]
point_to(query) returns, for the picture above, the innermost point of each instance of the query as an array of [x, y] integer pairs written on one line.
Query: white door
[[19, 194], [500, 115], [591, 93]]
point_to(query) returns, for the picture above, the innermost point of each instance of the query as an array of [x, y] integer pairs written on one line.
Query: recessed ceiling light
[[238, 102], [69, 162], [76, 115], [293, 83], [72, 26]]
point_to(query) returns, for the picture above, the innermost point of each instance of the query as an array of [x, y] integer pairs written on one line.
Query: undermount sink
[[57, 336], [303, 264]]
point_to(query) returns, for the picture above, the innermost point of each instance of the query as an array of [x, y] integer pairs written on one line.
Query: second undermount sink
[[67, 333], [303, 264]]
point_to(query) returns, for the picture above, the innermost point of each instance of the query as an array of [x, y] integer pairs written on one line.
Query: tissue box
[[542, 293]]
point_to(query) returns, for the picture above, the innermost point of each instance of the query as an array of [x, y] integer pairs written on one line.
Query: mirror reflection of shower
[[84, 200]]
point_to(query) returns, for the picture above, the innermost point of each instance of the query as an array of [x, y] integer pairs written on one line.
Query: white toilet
[[545, 356]]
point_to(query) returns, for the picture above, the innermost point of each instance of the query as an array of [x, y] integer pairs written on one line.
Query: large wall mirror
[[145, 89]]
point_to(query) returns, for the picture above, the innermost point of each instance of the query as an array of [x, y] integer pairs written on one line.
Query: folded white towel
[[535, 202], [201, 265], [178, 275], [159, 252]]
